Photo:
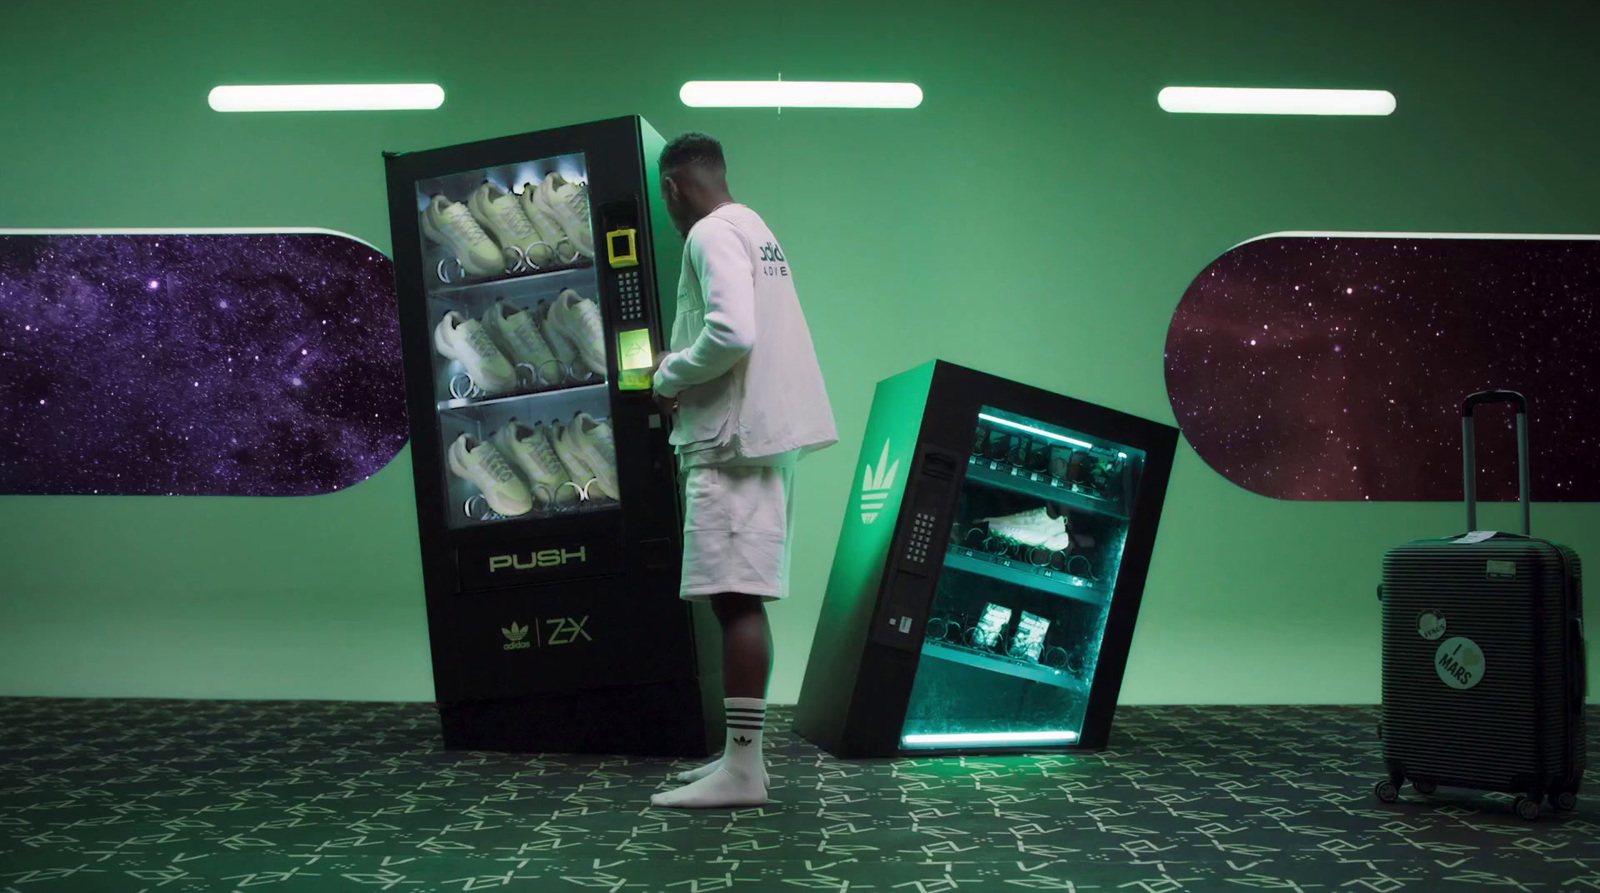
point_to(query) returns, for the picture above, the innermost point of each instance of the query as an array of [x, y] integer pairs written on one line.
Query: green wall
[[1038, 217]]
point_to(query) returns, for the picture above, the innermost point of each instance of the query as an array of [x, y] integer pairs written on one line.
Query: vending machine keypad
[[629, 298], [920, 538]]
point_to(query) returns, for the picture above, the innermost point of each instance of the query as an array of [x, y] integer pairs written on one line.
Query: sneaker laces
[[567, 447], [578, 200], [479, 340], [528, 340], [496, 465], [601, 432], [543, 451], [589, 315], [511, 215], [459, 222]]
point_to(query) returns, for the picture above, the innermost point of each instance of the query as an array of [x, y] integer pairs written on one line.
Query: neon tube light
[[958, 739], [326, 97], [1271, 101], [800, 94], [999, 421]]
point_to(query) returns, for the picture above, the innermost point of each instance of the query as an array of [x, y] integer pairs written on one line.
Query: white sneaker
[[593, 442], [501, 214], [530, 450], [518, 338], [566, 350], [1034, 528], [572, 457], [482, 465], [568, 203], [450, 224], [550, 231], [577, 319], [463, 339]]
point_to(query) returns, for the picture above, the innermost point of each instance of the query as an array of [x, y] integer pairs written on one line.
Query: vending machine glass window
[[1011, 644], [519, 346]]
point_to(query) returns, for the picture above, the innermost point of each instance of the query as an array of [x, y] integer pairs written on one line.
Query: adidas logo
[[875, 486], [515, 636], [742, 741]]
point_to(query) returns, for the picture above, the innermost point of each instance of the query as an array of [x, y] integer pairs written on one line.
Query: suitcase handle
[[1469, 452]]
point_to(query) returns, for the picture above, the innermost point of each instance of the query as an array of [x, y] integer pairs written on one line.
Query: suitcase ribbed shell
[[1520, 728]]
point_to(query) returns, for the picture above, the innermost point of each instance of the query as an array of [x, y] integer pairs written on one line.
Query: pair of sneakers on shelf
[[495, 231], [561, 341], [521, 467]]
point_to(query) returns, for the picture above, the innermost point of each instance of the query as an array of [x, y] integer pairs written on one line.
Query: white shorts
[[736, 524]]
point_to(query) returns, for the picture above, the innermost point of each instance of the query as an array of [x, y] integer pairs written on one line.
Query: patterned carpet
[[122, 795]]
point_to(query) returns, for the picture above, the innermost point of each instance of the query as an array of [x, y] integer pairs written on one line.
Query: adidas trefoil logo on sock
[[515, 637], [875, 487], [742, 741]]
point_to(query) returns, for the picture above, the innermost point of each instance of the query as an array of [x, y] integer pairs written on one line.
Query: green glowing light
[[1040, 432], [963, 739]]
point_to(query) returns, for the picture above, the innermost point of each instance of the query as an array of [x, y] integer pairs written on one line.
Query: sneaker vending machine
[[989, 570], [527, 272]]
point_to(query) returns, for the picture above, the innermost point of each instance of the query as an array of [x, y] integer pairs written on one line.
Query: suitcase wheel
[[1387, 791], [1527, 808], [1424, 787], [1564, 801]]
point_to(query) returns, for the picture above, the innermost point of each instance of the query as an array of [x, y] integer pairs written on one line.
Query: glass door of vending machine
[[1012, 640], [519, 345]]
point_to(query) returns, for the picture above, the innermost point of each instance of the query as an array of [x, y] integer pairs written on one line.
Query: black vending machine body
[[988, 573], [529, 272]]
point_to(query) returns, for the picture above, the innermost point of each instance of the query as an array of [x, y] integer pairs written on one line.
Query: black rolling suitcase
[[1484, 677]]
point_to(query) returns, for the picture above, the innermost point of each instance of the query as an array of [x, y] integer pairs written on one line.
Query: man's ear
[[670, 187]]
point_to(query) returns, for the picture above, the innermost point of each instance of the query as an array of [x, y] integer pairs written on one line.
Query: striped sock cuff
[[745, 713]]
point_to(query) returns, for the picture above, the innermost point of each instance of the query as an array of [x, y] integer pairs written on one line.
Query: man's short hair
[[697, 149]]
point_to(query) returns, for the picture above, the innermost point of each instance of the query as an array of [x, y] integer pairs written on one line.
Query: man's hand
[[669, 405]]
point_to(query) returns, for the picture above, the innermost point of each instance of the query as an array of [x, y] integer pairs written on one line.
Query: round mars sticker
[[1430, 625], [1459, 662]]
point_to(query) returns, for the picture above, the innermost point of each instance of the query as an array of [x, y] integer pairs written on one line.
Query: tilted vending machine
[[988, 573]]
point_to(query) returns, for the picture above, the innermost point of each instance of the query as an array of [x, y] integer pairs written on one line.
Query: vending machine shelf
[[996, 663], [581, 391], [982, 472], [489, 289], [1044, 579]]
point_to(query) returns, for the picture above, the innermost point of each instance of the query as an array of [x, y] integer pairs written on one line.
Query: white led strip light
[[800, 94], [1274, 101], [326, 97], [999, 421]]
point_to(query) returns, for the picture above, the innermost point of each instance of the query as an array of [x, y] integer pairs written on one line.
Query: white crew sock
[[739, 778], [700, 772]]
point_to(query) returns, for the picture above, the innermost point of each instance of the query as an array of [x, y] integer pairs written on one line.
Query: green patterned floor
[[178, 796]]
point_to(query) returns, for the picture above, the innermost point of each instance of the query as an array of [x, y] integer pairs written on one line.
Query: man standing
[[743, 382]]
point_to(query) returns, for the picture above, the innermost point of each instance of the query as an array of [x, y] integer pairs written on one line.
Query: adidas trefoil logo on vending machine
[[515, 637], [875, 487]]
